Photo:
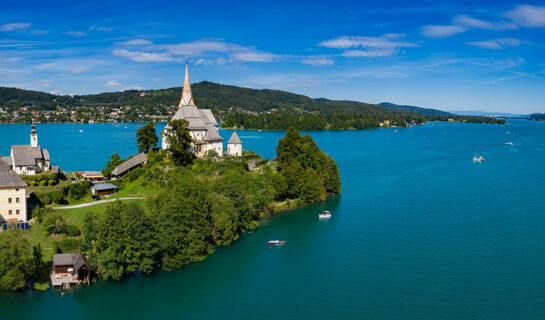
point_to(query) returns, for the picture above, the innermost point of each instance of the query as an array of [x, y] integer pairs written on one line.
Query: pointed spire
[[187, 96]]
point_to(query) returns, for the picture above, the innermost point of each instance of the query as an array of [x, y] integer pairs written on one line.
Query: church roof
[[26, 155], [234, 139], [208, 117], [9, 178], [211, 134]]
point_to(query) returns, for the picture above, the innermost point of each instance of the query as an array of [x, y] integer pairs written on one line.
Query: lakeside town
[[44, 207]]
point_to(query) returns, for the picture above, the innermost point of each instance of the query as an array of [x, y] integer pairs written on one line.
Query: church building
[[203, 127], [30, 158]]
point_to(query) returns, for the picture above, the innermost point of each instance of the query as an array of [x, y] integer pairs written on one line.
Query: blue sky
[[465, 55]]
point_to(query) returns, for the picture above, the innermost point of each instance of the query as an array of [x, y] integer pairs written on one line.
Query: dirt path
[[88, 204]]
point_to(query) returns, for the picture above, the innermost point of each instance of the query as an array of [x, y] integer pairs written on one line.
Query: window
[[9, 212], [17, 211], [17, 189], [9, 200], [16, 200]]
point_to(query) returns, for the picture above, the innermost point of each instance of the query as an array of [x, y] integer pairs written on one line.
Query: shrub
[[135, 174], [212, 153], [43, 183], [54, 223], [55, 246], [33, 183], [57, 197], [45, 198], [72, 231], [70, 245], [52, 182]]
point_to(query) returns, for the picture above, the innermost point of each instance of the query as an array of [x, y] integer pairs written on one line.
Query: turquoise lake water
[[419, 232]]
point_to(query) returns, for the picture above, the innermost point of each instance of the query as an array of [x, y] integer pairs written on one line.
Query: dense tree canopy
[[179, 142], [146, 137]]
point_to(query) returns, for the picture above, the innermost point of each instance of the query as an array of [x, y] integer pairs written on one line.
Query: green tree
[[115, 160], [143, 246], [225, 220], [179, 142], [112, 241], [15, 259], [146, 137]]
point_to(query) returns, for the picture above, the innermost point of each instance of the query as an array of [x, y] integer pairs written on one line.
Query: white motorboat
[[324, 215]]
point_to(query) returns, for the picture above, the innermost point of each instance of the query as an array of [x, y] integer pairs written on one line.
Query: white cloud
[[441, 31], [195, 48], [113, 83], [386, 52], [75, 33], [204, 62], [470, 22], [143, 56], [317, 60], [98, 28], [221, 61], [135, 42], [385, 41], [496, 43], [14, 26], [386, 45], [250, 55], [528, 16]]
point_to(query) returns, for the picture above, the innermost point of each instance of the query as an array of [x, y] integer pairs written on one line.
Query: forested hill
[[236, 107], [537, 116], [207, 95], [393, 106]]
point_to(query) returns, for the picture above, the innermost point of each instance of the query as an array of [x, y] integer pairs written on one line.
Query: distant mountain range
[[393, 106], [490, 114]]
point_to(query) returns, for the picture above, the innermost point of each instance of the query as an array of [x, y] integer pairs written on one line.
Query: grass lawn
[[37, 234]]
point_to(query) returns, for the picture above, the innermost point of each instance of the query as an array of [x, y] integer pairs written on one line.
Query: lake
[[420, 231]]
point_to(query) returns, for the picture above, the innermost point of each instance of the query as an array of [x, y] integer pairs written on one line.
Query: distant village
[[31, 160]]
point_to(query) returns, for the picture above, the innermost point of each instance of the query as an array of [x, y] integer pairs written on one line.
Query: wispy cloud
[[15, 26], [113, 83], [470, 22], [75, 33], [363, 46], [135, 42], [317, 60], [99, 28], [528, 16], [441, 31], [496, 43], [143, 56], [207, 52]]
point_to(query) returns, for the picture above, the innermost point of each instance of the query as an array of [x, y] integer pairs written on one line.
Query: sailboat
[[479, 158]]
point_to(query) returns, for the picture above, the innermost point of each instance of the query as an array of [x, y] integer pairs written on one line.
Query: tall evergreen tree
[[146, 137], [179, 142]]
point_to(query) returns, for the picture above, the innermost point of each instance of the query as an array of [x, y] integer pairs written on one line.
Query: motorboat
[[510, 143], [324, 215], [276, 242]]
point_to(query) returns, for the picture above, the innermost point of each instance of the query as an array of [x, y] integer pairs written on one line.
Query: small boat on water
[[324, 215], [479, 158], [80, 130], [510, 143], [276, 242]]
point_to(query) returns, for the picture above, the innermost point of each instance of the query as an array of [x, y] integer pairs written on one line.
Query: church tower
[[33, 136]]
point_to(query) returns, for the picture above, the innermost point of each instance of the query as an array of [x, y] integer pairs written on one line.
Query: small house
[[103, 189], [93, 175], [137, 161], [68, 269]]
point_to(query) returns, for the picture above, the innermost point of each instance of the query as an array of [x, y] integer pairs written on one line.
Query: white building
[[12, 194], [203, 127], [29, 159], [234, 145]]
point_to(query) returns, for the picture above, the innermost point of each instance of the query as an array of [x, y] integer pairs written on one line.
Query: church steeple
[[187, 96], [33, 136]]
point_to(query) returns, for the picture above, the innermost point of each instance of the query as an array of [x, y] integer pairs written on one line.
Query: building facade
[[12, 195], [203, 126], [29, 159], [234, 146]]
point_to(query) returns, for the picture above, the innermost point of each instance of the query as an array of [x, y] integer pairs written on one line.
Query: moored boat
[[276, 242], [324, 215]]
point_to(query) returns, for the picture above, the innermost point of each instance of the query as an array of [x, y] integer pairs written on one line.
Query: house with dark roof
[[137, 161], [69, 268], [12, 194], [203, 127], [30, 158], [103, 189]]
